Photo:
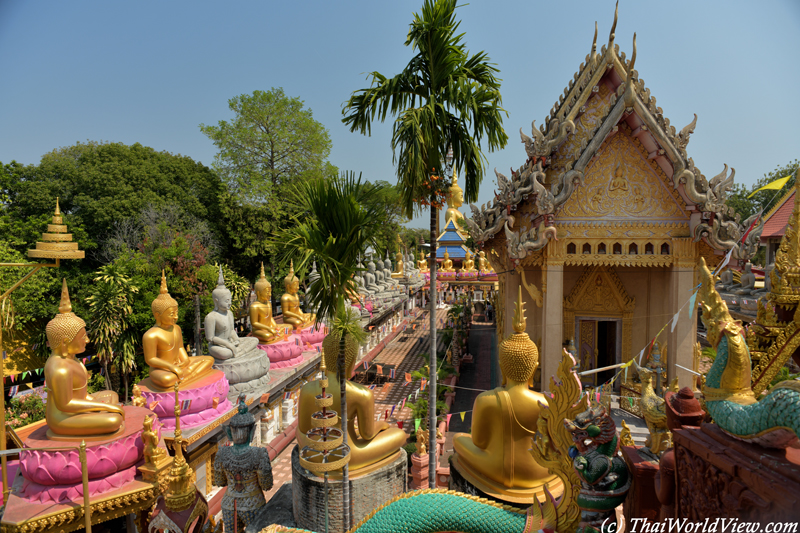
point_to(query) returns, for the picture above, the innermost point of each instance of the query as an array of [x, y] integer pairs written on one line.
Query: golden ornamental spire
[[290, 277], [262, 275], [163, 301], [181, 491], [785, 277], [56, 243], [65, 306], [519, 314]]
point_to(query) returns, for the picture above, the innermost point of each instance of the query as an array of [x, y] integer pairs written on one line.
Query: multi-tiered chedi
[[203, 389], [112, 432], [494, 461], [245, 366]]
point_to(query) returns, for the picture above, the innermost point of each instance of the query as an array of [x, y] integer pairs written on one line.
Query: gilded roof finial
[[613, 29], [594, 45], [519, 313], [58, 209], [65, 306], [629, 77]]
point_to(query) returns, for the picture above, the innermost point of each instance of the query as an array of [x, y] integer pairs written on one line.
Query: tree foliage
[[762, 200]]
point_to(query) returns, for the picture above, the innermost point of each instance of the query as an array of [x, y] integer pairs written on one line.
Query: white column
[[681, 346]]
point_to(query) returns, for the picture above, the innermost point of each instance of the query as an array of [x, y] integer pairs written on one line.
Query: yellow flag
[[774, 186], [462, 415]]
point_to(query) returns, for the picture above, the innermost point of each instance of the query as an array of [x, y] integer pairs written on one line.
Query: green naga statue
[[773, 420]]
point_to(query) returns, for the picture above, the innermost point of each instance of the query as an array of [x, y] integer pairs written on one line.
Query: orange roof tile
[[775, 225]]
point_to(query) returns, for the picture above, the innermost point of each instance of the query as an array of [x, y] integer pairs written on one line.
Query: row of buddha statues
[[747, 282], [467, 265]]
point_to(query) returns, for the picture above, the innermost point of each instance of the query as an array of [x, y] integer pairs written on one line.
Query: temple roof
[[453, 241], [778, 217], [605, 103]]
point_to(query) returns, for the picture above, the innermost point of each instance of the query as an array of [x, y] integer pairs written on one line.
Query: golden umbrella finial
[[56, 242]]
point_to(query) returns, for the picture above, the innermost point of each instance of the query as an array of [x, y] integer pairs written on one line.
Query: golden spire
[[629, 77], [56, 243], [181, 491], [290, 277], [66, 324], [785, 276], [594, 44], [262, 275], [518, 355], [163, 301], [519, 313], [65, 306], [263, 283], [612, 35]]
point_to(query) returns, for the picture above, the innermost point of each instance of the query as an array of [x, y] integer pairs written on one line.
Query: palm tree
[[338, 217], [110, 302], [445, 99]]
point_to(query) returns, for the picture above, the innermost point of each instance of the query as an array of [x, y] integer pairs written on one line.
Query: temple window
[[648, 248], [633, 249], [587, 248], [617, 248], [601, 248], [571, 248], [665, 249]]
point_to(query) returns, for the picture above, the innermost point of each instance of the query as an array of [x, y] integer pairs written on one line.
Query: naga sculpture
[[654, 412], [542, 145], [522, 243], [774, 420], [604, 475]]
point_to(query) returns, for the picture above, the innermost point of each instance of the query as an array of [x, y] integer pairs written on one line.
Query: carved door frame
[[615, 304]]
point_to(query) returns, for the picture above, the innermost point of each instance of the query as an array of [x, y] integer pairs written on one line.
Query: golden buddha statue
[[374, 440], [618, 185], [447, 263], [71, 412], [496, 457], [290, 304], [469, 264], [455, 199], [400, 272], [262, 324], [483, 263], [163, 346], [422, 264]]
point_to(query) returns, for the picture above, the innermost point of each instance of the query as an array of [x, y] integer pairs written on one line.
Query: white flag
[[675, 321], [641, 354]]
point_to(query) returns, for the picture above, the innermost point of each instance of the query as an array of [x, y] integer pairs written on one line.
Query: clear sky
[[151, 72]]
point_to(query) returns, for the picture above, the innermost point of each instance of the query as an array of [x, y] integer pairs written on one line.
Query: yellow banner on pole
[[773, 186]]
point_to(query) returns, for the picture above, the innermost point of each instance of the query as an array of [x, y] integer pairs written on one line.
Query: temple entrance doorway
[[599, 345]]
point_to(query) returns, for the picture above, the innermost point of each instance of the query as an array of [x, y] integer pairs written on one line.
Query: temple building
[[604, 224]]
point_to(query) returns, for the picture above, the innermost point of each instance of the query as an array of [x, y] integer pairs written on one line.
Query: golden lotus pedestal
[[462, 479]]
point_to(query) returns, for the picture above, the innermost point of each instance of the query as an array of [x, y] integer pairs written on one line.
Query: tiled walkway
[[404, 352]]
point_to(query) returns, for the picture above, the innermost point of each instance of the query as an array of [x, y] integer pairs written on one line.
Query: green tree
[[110, 302], [271, 143], [338, 217], [445, 99], [762, 200]]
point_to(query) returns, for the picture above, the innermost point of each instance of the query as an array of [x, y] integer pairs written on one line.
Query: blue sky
[[151, 72]]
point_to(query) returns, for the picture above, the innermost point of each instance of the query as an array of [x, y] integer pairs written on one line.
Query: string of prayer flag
[[392, 413], [287, 395], [372, 387], [424, 382], [416, 424], [462, 415], [387, 387], [408, 377], [185, 405], [691, 304], [366, 365], [448, 420], [392, 373], [386, 414], [403, 405], [153, 404]]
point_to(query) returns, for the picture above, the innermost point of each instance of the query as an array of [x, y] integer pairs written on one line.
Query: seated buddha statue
[[290, 304], [422, 264], [262, 324], [747, 282], [71, 411], [725, 280], [371, 280], [373, 440], [387, 272], [380, 277], [483, 263], [469, 264], [496, 457], [447, 263], [400, 272], [163, 347], [223, 342]]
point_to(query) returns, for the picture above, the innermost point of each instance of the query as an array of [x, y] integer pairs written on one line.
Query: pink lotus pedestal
[[312, 335], [283, 354], [55, 476], [208, 397]]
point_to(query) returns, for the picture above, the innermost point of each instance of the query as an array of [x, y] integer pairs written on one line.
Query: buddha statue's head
[[164, 307], [263, 288], [221, 295], [518, 354], [446, 254], [387, 263], [371, 266], [455, 196], [469, 256], [290, 282], [66, 333], [242, 426]]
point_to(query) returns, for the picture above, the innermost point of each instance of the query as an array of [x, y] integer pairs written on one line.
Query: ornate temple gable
[[599, 290], [619, 183]]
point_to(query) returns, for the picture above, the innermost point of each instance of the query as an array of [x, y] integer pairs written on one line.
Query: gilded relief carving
[[596, 110], [619, 182]]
